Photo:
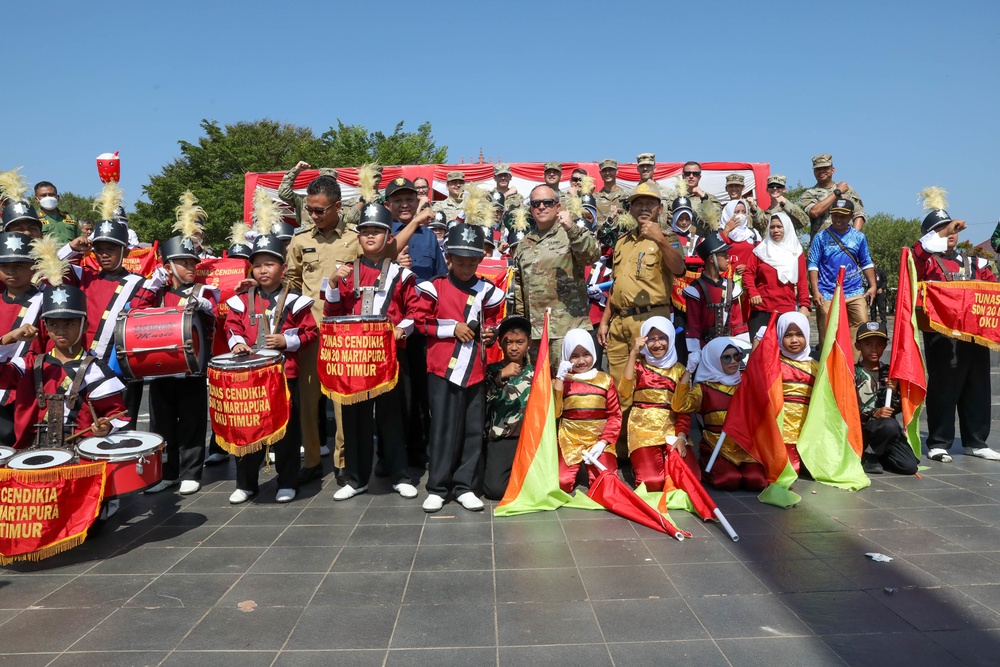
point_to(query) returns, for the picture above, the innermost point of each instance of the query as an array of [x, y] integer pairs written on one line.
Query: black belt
[[639, 310]]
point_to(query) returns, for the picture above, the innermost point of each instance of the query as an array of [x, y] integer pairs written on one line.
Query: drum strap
[[255, 318], [965, 273], [55, 421], [367, 294]]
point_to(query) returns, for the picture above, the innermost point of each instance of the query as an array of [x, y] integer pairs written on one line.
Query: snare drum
[[40, 459], [5, 454], [134, 460], [258, 359], [248, 400], [157, 342]]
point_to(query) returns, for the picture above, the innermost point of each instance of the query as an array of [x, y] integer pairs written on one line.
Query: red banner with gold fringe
[[967, 310], [357, 358], [249, 407], [45, 512]]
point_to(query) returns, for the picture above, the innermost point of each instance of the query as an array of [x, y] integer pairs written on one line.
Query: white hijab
[[710, 366], [578, 338], [783, 256], [802, 322], [743, 232], [676, 216], [660, 323]]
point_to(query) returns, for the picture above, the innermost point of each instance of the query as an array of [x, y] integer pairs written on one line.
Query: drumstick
[[92, 427]]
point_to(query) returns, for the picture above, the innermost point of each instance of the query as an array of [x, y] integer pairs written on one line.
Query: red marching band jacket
[[397, 301], [107, 296], [296, 323], [701, 318], [444, 302], [15, 313]]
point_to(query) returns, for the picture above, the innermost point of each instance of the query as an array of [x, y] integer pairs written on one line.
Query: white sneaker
[[239, 497], [302, 452], [347, 492], [433, 503], [270, 457], [405, 490], [938, 454], [285, 495], [469, 501], [190, 486], [324, 450], [162, 486], [983, 453]]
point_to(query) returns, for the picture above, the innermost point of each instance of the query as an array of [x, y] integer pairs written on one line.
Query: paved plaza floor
[[175, 580]]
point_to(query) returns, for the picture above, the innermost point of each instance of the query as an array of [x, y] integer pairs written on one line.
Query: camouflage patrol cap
[[645, 189], [554, 165], [502, 168], [735, 179], [777, 179], [607, 163], [456, 176], [645, 158], [328, 171], [824, 160], [842, 206]]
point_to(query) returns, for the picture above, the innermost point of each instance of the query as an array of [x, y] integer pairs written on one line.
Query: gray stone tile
[[986, 513], [439, 532], [184, 590], [379, 536], [912, 541], [938, 608], [142, 560], [295, 559], [974, 538], [314, 536], [769, 547], [27, 659], [529, 554], [411, 513], [389, 558], [611, 552], [897, 499], [445, 657], [935, 517], [244, 536], [804, 520], [435, 588], [890, 650], [96, 590], [700, 550], [639, 620], [800, 576], [592, 655], [351, 589], [448, 557], [548, 585], [177, 536], [779, 652], [714, 579], [445, 625], [836, 545], [361, 627], [340, 658], [878, 518], [109, 659], [843, 612], [340, 514], [220, 658], [632, 582], [263, 629], [228, 560], [507, 531], [988, 594], [727, 617], [21, 633], [604, 528], [141, 630], [271, 514], [701, 652], [976, 648], [273, 590], [19, 592], [537, 623], [957, 569], [867, 574], [957, 496]]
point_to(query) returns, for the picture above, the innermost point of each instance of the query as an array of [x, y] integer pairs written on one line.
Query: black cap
[[19, 210], [842, 206], [240, 250], [397, 184], [514, 237], [466, 240], [111, 231], [375, 215], [268, 244], [64, 302], [497, 198], [513, 322], [588, 200], [283, 231], [871, 329], [15, 247], [178, 247], [711, 245], [440, 221], [683, 204], [938, 217]]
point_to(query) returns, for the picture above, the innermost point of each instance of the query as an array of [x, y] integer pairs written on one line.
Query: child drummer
[[179, 405], [375, 285], [287, 325]]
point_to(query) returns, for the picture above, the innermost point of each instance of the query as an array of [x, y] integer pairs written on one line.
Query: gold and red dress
[[588, 411], [797, 379]]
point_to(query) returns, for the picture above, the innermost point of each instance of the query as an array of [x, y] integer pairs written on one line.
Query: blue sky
[[903, 95]]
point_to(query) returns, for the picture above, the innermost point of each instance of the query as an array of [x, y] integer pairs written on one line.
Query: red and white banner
[[967, 310]]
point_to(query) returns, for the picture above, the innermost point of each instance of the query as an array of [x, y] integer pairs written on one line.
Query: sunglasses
[[547, 203], [576, 179], [319, 211], [691, 173], [775, 186], [730, 358]]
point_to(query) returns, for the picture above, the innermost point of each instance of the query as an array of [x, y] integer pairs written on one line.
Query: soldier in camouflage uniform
[[707, 207], [610, 198], [353, 206], [779, 204], [287, 194], [549, 266], [512, 198], [817, 200], [552, 175], [735, 184], [452, 206]]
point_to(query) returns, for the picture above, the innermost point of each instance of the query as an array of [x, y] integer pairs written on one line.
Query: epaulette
[[301, 230]]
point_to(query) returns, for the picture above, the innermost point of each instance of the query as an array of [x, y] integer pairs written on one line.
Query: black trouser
[[456, 436], [7, 435], [598, 349], [287, 461], [758, 319], [958, 377], [498, 458], [884, 437], [418, 412], [179, 408], [133, 402], [359, 437], [878, 307]]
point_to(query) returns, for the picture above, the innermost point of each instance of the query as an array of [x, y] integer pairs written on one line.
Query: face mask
[[740, 218], [49, 203]]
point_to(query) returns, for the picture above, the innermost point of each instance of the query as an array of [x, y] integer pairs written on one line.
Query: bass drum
[[159, 342], [134, 460]]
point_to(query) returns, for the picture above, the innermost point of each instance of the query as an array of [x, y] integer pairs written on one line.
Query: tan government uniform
[[313, 256]]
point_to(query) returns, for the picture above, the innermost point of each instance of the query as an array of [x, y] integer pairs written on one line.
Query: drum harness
[[256, 317], [367, 293], [965, 273], [52, 432]]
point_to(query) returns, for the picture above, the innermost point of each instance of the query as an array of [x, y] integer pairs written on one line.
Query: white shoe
[[285, 495], [239, 497], [347, 492], [938, 454], [469, 501], [270, 457], [190, 486], [302, 452], [162, 486], [405, 490], [324, 450], [433, 503], [983, 453]]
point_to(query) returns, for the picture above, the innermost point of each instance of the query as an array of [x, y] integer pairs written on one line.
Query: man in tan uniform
[[780, 204], [287, 194], [452, 206], [817, 200], [610, 198]]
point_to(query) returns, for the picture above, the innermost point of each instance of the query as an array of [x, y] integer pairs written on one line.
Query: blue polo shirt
[[826, 257], [428, 260]]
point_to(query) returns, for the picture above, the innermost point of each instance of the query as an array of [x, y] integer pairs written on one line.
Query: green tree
[[887, 235], [79, 206], [354, 145]]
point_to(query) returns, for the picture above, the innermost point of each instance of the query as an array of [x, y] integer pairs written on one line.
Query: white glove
[[595, 292], [564, 368], [202, 304], [598, 449], [159, 278]]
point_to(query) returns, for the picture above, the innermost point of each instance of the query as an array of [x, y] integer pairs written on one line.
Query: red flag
[[615, 496], [682, 477], [906, 365]]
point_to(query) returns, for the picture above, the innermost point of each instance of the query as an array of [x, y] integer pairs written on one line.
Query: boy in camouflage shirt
[[507, 385]]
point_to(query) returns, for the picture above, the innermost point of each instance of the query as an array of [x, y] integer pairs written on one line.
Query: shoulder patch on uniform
[[427, 287], [300, 230], [692, 292], [236, 303]]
